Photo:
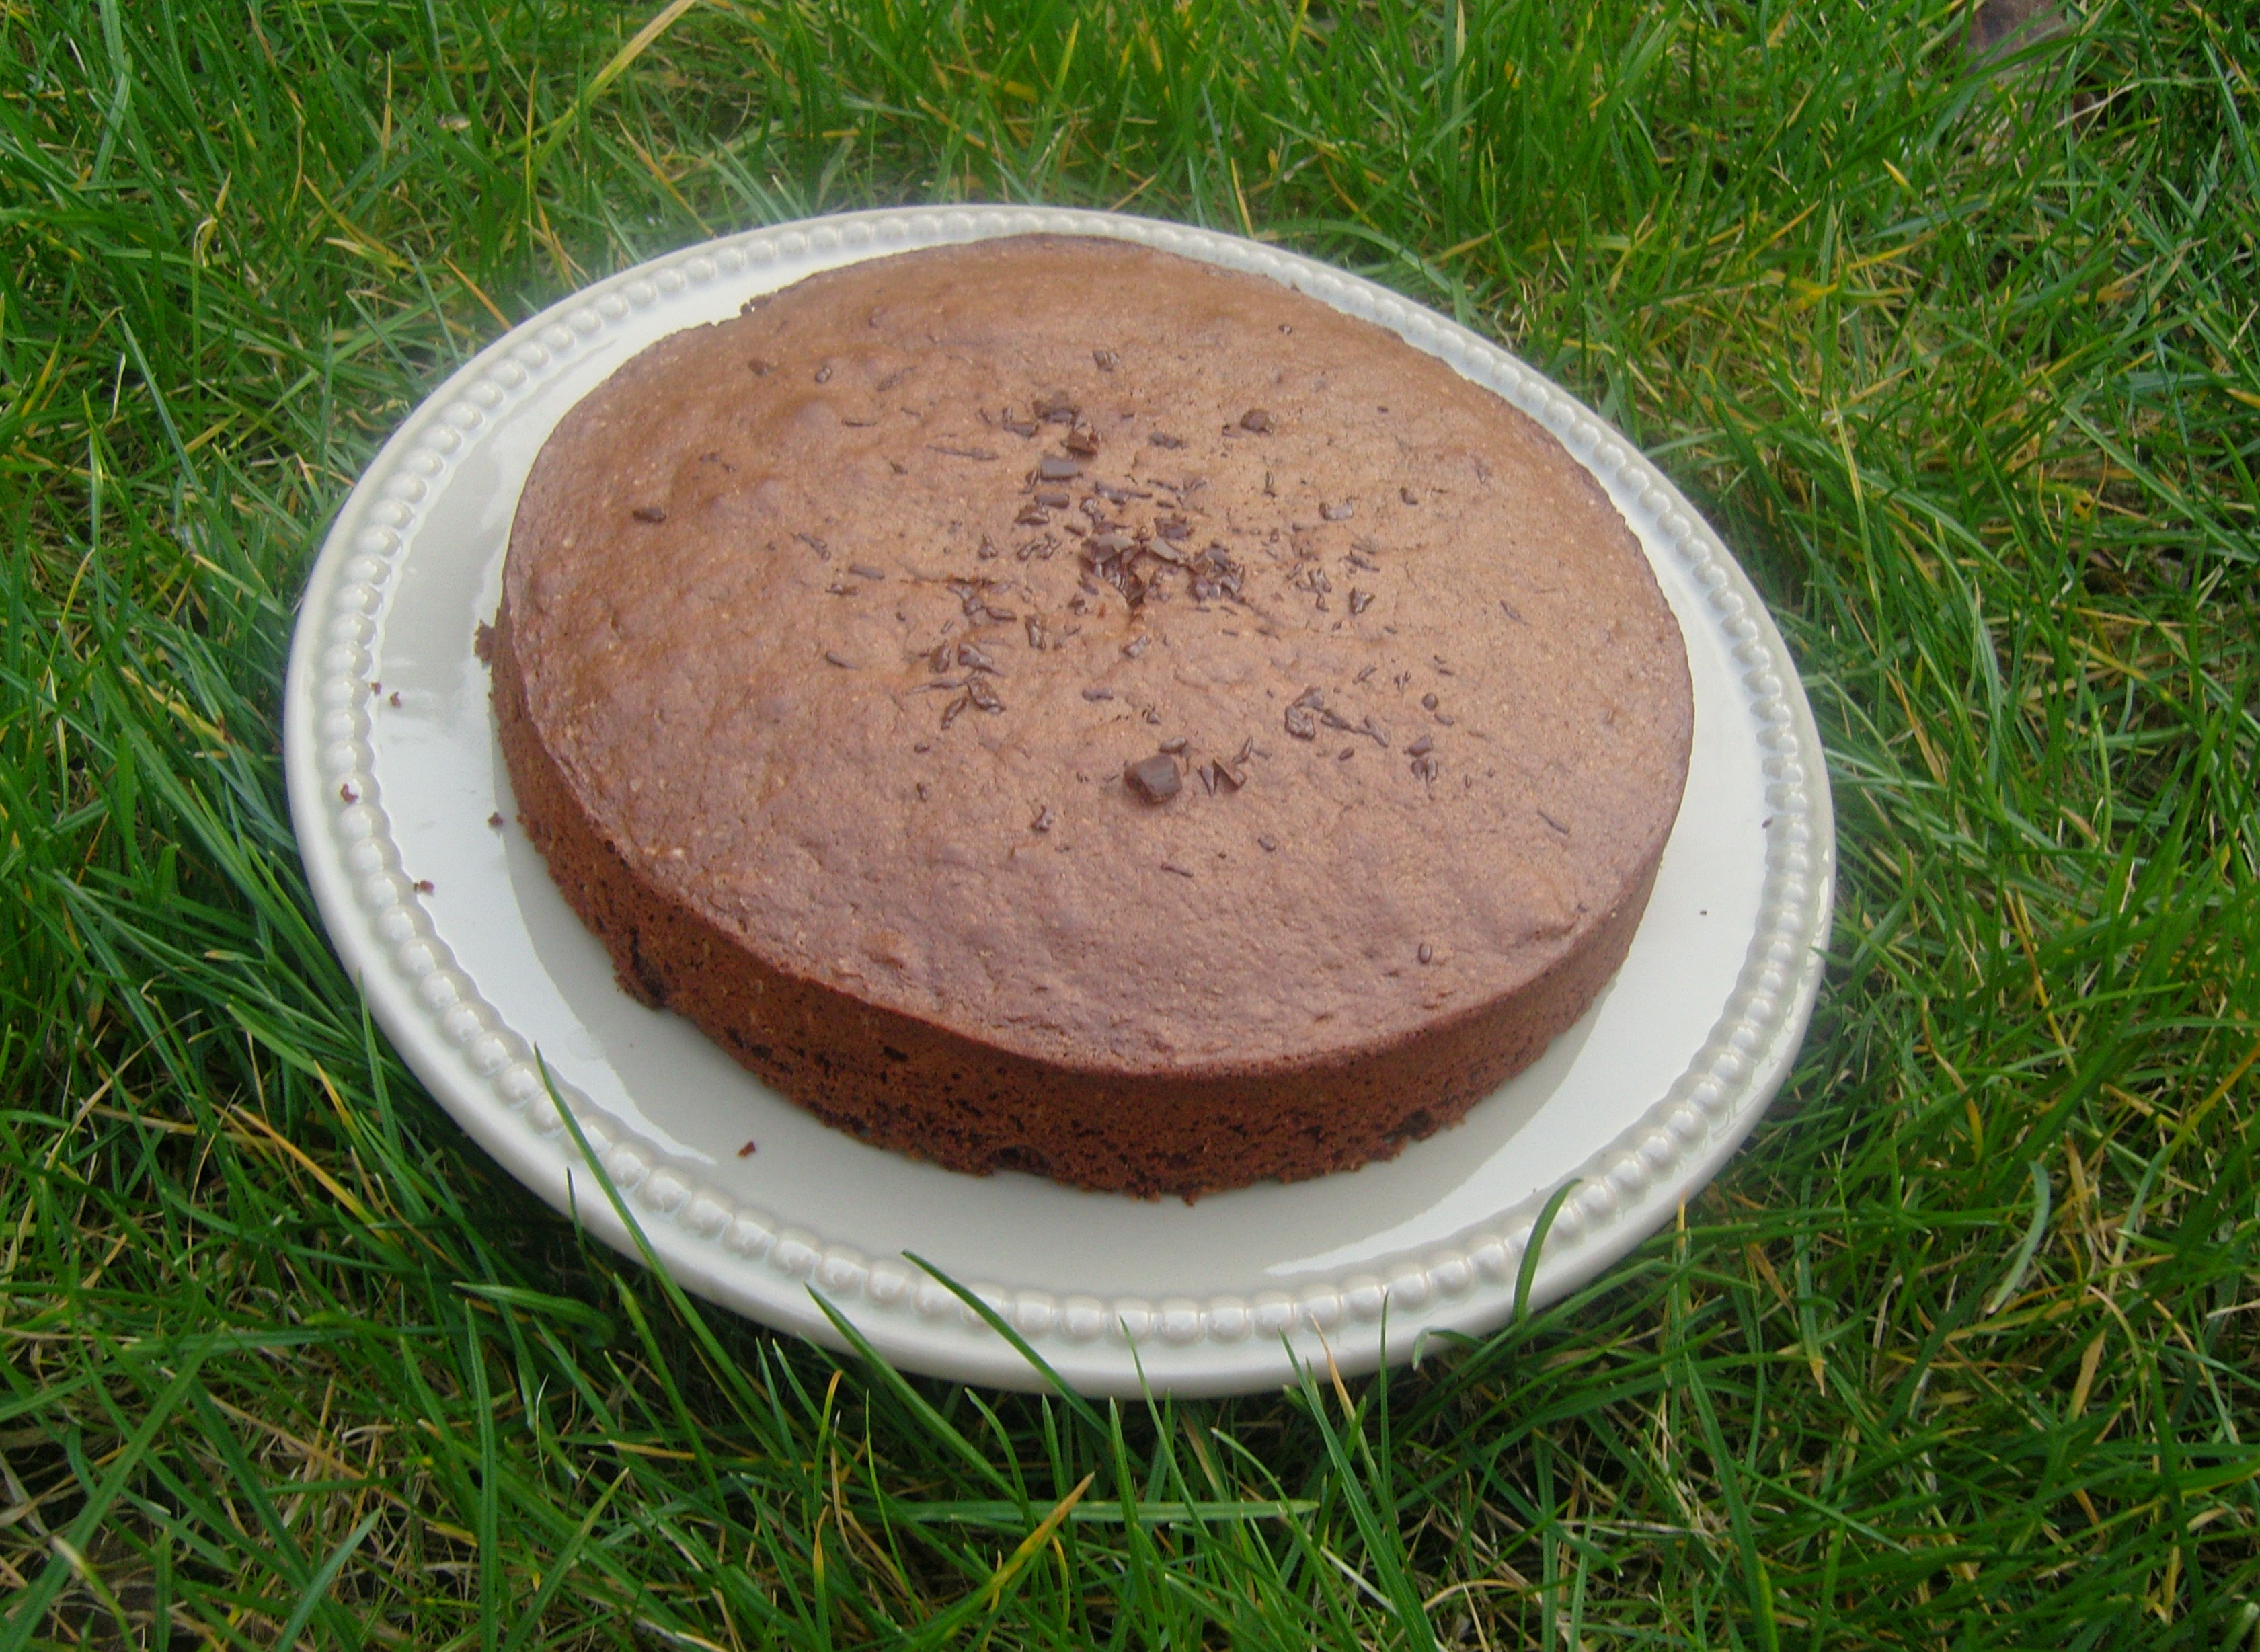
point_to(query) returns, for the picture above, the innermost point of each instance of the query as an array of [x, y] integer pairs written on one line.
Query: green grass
[[1961, 1350]]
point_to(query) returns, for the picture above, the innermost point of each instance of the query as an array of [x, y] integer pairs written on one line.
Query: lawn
[[1960, 1351]]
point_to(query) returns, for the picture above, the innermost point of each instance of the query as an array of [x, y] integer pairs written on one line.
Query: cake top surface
[[1123, 661]]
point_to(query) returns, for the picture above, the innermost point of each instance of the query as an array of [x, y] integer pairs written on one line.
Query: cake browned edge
[[899, 1081]]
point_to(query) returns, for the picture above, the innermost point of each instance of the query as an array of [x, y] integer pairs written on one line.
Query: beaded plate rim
[[462, 1047]]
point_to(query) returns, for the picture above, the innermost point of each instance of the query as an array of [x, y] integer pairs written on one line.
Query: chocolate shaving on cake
[[1154, 779]]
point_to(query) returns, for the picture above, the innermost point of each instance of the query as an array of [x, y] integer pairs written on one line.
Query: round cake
[[1050, 704]]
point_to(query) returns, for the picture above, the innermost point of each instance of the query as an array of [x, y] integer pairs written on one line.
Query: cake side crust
[[901, 1082]]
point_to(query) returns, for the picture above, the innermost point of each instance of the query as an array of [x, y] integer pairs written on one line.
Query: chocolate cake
[[1050, 704]]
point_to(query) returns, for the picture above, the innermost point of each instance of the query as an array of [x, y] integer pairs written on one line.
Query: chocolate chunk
[[960, 453], [1179, 870], [824, 373], [1267, 844], [497, 821], [748, 1151], [763, 366], [1112, 543], [1160, 440], [1256, 419], [1359, 600], [1051, 499], [1056, 408], [823, 552], [346, 793], [845, 665], [1045, 819], [1098, 694], [864, 571], [939, 661], [649, 513], [1033, 516], [1057, 467], [1551, 822], [978, 692], [1426, 954], [1427, 701], [950, 713], [1175, 743], [987, 553], [1036, 638], [967, 654], [1421, 747], [1105, 360], [393, 699], [1345, 753], [424, 886], [1084, 439], [1154, 779], [1302, 722], [1342, 513], [1425, 767], [1136, 646], [1408, 495], [1207, 773], [1311, 697]]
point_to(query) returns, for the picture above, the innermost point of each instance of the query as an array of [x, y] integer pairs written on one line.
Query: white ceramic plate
[[472, 961]]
